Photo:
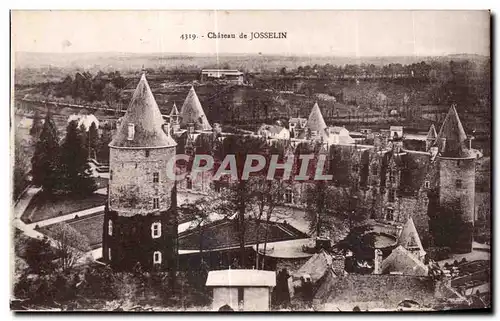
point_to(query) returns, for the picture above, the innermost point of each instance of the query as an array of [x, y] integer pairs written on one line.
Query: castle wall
[[131, 186]]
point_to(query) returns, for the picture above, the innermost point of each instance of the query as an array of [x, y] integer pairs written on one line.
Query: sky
[[337, 33]]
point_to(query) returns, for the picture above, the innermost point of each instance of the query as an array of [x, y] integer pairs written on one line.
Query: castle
[[433, 187]]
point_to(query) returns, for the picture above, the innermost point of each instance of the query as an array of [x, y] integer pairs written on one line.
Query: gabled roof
[[144, 113], [372, 290], [432, 133], [174, 111], [315, 122], [453, 131], [223, 234], [409, 237], [192, 112], [316, 266], [400, 260]]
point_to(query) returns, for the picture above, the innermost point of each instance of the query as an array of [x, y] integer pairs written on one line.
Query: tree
[[37, 126], [76, 171], [93, 140], [45, 161], [39, 256], [237, 196], [265, 196], [110, 94], [102, 145], [71, 246]]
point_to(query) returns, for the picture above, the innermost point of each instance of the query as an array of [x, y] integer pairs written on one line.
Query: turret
[[456, 181], [431, 138], [140, 224]]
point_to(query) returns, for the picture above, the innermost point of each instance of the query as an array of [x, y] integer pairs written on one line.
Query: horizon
[[247, 54]]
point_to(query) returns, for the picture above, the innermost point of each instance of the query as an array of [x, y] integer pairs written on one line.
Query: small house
[[241, 290]]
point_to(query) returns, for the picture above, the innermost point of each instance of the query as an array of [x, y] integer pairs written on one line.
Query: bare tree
[[265, 196], [70, 244]]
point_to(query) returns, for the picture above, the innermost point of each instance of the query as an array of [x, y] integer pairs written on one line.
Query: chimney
[[443, 144], [469, 140], [190, 128], [378, 262]]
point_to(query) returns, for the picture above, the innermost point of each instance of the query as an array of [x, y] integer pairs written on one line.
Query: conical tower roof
[[144, 114], [409, 238], [316, 121], [192, 112], [432, 135], [453, 131], [174, 111]]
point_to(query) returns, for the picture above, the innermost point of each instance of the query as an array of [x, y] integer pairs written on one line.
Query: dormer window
[[156, 230], [131, 131]]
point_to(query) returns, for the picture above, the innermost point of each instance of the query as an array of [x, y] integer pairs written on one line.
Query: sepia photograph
[[250, 160]]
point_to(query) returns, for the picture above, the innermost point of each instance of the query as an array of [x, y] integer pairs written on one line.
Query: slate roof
[[374, 291], [174, 111], [144, 113], [400, 260], [224, 234], [316, 266], [192, 112], [315, 122], [432, 133], [273, 129], [454, 133], [409, 237]]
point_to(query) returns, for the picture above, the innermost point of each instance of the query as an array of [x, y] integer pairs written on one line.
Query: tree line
[[62, 167]]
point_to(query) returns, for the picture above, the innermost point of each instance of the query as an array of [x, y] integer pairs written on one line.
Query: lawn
[[90, 226], [41, 207]]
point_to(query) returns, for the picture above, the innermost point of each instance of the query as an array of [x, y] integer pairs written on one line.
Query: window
[[355, 168], [110, 227], [288, 195], [392, 195], [109, 253], [390, 214], [375, 169], [131, 131], [147, 153], [189, 183], [427, 184], [157, 257], [156, 177], [458, 183], [156, 203], [156, 230], [110, 174]]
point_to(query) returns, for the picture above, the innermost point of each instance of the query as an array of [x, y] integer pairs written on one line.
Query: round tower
[[456, 182], [140, 222]]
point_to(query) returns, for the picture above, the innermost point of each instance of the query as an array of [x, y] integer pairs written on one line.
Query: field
[[42, 208]]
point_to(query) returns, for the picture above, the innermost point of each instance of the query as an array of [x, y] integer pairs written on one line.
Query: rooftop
[[144, 114], [455, 138], [192, 112], [223, 234]]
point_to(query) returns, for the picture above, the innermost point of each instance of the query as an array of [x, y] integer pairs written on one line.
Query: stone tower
[[456, 187], [140, 221]]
